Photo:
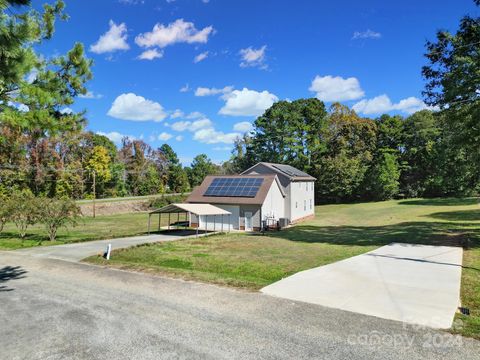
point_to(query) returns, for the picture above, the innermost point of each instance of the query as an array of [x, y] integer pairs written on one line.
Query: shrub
[[4, 212], [55, 213], [22, 208]]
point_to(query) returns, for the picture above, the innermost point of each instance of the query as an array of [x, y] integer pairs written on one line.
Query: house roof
[[197, 195], [286, 170], [197, 209]]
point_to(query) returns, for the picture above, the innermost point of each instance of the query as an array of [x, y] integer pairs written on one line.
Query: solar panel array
[[289, 170], [234, 187]]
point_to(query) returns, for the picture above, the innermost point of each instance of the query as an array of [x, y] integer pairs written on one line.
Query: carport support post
[[159, 221], [168, 221], [222, 223], [178, 219], [214, 220], [198, 224]]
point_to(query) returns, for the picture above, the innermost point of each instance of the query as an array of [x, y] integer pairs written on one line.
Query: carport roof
[[197, 209]]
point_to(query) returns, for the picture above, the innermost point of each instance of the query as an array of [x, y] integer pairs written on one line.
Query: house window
[[310, 204], [304, 205], [296, 205]]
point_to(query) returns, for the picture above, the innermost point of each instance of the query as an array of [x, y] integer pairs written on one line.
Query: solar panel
[[289, 170], [234, 187]]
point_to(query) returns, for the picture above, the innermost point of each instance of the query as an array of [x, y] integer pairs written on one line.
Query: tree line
[[44, 146], [429, 153], [46, 149]]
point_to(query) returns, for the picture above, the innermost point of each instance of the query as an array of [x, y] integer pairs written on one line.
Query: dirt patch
[[115, 207]]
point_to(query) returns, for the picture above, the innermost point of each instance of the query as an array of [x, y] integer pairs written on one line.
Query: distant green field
[[88, 228], [338, 232]]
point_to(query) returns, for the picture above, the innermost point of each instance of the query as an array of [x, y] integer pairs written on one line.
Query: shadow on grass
[[8, 273], [442, 201], [466, 215], [422, 233]]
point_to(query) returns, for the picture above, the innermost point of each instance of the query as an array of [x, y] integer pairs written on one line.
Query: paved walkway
[[410, 283], [78, 251]]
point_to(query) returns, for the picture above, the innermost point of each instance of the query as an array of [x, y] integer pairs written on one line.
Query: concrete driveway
[[53, 309], [81, 250], [411, 283]]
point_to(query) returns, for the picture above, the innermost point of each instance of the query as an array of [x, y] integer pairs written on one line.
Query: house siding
[[261, 169], [256, 213], [215, 222], [274, 204], [302, 200]]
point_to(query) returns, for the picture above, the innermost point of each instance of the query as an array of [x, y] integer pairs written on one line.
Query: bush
[[55, 213], [166, 200], [4, 212], [22, 208]]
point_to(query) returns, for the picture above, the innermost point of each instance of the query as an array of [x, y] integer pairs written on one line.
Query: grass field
[[88, 228], [338, 232]]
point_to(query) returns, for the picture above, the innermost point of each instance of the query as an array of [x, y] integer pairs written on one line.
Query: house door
[[248, 221]]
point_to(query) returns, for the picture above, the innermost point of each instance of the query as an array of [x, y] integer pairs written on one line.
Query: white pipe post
[[109, 250], [149, 216]]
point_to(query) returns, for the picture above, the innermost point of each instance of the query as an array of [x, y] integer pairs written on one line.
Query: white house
[[263, 194]]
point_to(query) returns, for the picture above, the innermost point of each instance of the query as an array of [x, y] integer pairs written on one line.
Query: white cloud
[[25, 108], [253, 57], [179, 31], [204, 91], [179, 138], [211, 136], [243, 126], [200, 57], [136, 108], [177, 114], [31, 76], [65, 111], [192, 125], [151, 54], [247, 102], [368, 34], [329, 88], [90, 95], [195, 115], [115, 136], [114, 39], [382, 104], [185, 88], [164, 136], [180, 125]]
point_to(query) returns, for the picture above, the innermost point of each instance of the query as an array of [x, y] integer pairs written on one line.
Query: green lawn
[[88, 228], [338, 232]]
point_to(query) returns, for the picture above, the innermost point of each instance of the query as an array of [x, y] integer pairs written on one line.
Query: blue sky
[[195, 73]]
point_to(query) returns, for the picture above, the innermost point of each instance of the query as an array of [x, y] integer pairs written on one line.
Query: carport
[[188, 209]]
